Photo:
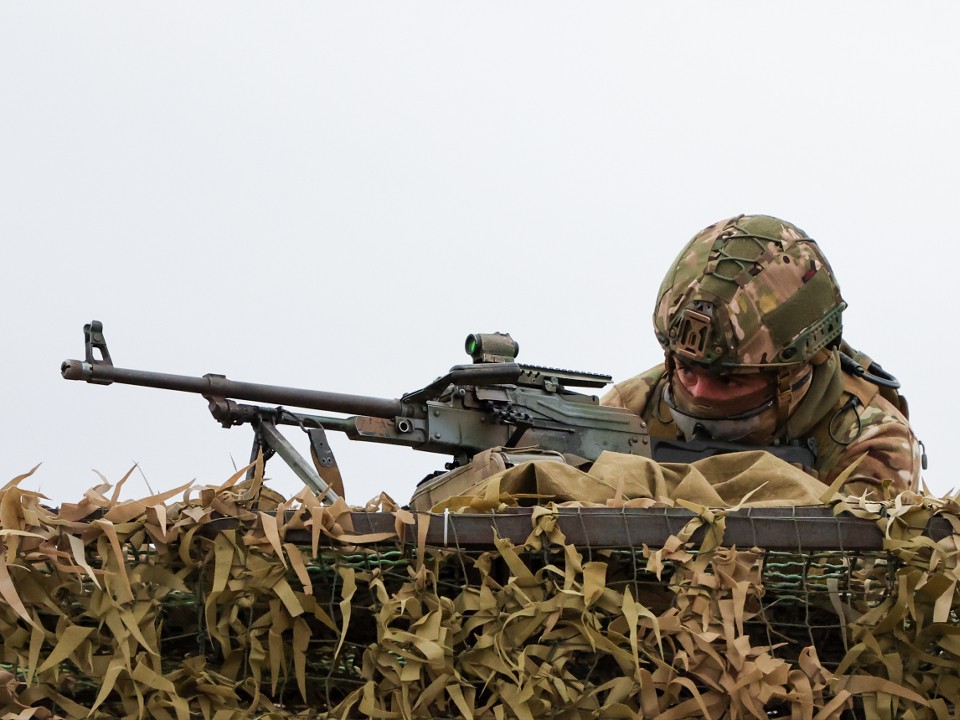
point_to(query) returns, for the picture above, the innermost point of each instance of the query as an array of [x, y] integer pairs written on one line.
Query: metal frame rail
[[800, 529]]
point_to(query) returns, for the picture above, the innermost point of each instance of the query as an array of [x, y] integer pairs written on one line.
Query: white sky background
[[334, 195]]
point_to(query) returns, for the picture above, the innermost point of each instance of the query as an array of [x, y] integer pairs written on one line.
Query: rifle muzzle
[[79, 370]]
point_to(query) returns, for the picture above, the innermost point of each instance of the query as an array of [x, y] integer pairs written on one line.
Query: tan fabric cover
[[484, 464], [720, 481]]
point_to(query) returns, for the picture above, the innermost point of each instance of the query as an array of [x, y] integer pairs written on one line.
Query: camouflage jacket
[[847, 417]]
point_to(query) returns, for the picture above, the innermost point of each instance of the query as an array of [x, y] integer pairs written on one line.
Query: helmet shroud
[[749, 293]]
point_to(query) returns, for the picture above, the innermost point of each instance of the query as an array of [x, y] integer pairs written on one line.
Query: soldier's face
[[708, 387]]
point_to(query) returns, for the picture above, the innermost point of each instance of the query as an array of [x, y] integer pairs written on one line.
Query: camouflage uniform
[[754, 294], [870, 425]]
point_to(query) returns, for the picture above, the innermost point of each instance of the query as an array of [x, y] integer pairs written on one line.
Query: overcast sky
[[333, 195]]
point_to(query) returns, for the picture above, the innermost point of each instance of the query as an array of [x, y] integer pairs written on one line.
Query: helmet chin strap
[[784, 397]]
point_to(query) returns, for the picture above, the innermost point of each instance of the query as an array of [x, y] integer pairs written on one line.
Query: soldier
[[749, 320]]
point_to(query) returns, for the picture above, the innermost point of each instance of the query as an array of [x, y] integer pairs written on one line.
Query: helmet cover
[[749, 293]]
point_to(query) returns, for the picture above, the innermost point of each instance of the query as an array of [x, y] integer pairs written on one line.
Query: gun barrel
[[218, 386]]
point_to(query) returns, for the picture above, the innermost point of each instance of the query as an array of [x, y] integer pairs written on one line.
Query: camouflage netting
[[232, 602]]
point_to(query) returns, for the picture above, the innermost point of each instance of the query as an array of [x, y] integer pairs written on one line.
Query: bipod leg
[[272, 438], [258, 446], [323, 459]]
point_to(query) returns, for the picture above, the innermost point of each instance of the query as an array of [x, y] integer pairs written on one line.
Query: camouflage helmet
[[751, 292]]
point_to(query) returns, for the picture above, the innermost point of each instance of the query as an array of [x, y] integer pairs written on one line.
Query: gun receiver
[[493, 402]]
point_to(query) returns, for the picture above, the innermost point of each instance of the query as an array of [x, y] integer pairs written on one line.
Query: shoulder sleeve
[[634, 394], [613, 398], [890, 452]]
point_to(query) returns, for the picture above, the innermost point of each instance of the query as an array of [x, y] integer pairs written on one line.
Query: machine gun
[[493, 402]]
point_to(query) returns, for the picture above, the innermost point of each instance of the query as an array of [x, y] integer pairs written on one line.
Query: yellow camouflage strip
[[127, 609]]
